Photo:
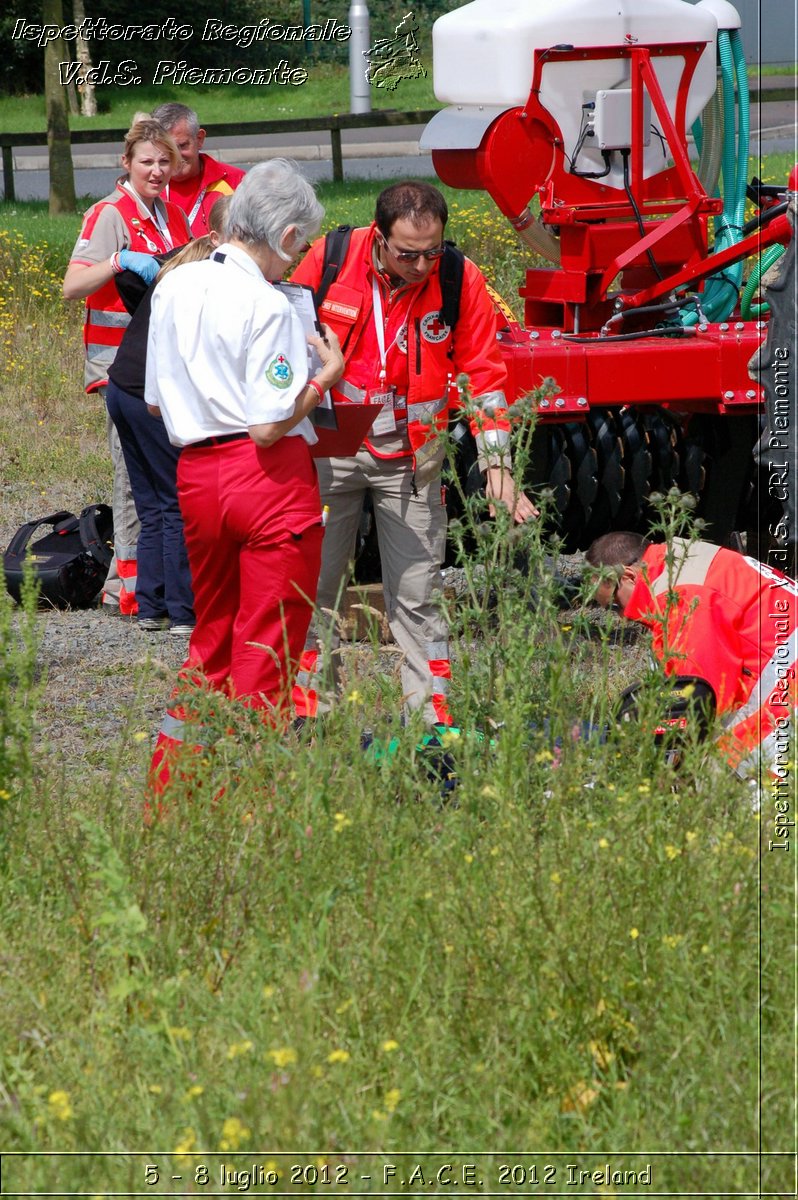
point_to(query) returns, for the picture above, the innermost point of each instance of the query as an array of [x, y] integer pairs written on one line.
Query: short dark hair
[[410, 200], [619, 549]]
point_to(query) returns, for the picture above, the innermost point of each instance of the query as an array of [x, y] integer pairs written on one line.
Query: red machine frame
[[609, 235]]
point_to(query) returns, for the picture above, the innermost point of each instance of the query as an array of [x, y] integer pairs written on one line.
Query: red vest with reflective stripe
[[106, 317]]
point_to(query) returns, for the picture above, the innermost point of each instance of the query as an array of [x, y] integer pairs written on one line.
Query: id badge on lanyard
[[384, 393], [384, 422]]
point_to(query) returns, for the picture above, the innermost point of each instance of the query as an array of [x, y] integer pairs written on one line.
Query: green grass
[[757, 70], [330, 957], [580, 951], [325, 91]]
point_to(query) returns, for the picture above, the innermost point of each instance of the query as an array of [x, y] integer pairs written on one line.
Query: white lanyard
[[197, 203], [197, 206], [153, 216], [163, 228], [379, 326]]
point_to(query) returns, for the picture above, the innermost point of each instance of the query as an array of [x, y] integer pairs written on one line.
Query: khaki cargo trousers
[[411, 533]]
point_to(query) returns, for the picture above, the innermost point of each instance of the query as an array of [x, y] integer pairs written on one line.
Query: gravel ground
[[99, 668], [103, 672]]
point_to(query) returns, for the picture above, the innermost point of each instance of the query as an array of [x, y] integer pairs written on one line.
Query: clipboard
[[353, 421], [340, 428], [303, 301]]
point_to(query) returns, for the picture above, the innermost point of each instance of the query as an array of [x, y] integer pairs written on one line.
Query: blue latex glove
[[144, 265]]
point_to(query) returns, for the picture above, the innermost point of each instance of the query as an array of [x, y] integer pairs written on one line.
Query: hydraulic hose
[[749, 310], [708, 134], [720, 294], [540, 240]]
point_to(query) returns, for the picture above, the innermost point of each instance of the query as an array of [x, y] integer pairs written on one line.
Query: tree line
[[22, 66]]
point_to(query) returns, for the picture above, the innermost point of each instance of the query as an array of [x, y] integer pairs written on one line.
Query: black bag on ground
[[70, 562]]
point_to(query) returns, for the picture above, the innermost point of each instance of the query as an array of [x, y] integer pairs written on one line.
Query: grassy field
[[577, 957], [325, 91]]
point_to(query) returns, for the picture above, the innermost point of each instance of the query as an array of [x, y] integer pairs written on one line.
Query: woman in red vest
[[123, 230]]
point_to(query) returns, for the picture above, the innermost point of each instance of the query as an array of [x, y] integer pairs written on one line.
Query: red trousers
[[253, 534]]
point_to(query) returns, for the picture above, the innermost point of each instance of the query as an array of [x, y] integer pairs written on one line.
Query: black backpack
[[70, 562], [336, 244]]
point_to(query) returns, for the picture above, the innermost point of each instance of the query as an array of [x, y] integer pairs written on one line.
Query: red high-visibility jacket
[[423, 357], [732, 621], [106, 317]]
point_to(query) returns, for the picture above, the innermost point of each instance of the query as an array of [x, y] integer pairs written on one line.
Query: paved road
[[388, 153]]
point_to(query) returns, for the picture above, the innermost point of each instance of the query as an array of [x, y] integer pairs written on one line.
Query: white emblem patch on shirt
[[279, 372], [433, 328], [401, 338]]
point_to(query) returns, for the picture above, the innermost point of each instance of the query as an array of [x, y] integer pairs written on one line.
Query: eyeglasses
[[410, 256]]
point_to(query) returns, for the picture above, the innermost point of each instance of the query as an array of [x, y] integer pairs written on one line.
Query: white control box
[[612, 119]]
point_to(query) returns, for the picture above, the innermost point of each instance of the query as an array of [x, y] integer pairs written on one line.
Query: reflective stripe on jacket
[[106, 317], [423, 357], [732, 621]]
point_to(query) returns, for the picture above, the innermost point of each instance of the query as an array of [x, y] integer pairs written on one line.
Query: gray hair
[[270, 197], [170, 115]]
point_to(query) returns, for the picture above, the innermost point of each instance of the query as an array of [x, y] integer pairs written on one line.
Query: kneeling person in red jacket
[[722, 619]]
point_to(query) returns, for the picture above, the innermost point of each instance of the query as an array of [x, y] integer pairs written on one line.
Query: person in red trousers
[[227, 369]]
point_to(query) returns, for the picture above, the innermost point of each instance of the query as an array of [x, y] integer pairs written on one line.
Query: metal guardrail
[[333, 125]]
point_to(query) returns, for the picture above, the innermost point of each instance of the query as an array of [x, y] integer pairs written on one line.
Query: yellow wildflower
[[236, 1049], [234, 1132], [579, 1097], [338, 1056], [60, 1106], [283, 1056], [389, 1045], [184, 1147]]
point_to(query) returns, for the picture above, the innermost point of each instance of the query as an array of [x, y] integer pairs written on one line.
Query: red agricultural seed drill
[[641, 316]]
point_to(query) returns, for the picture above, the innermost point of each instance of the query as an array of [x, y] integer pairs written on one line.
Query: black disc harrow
[[599, 474]]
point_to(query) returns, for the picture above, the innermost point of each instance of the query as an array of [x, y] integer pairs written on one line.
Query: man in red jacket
[[201, 180], [385, 304], [720, 617]]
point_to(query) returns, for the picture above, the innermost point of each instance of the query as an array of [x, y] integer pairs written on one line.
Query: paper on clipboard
[[303, 301]]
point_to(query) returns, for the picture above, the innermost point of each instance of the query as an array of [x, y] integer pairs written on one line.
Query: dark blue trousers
[[163, 579]]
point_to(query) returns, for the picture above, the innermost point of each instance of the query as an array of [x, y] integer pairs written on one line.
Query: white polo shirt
[[225, 351]]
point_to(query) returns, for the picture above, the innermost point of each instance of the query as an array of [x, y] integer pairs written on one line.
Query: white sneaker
[[154, 624], [181, 630]]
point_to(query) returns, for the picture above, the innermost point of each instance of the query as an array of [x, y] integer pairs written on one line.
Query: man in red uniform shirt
[[385, 305], [717, 616], [201, 180]]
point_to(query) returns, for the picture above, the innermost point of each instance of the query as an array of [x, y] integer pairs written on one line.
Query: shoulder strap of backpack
[[451, 280], [336, 244], [25, 532], [92, 536]]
